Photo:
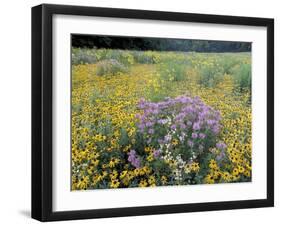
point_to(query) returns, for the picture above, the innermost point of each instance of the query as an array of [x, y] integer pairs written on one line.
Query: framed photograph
[[145, 112]]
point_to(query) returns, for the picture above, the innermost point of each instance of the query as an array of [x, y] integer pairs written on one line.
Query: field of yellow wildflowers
[[148, 118]]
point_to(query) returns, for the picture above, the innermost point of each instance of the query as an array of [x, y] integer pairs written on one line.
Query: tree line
[[159, 44]]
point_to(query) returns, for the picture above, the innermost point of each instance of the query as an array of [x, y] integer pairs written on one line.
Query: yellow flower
[[164, 179], [104, 174], [146, 169], [113, 162], [247, 173], [235, 172], [213, 164], [143, 183], [131, 131], [141, 171], [114, 183], [147, 149], [123, 174], [95, 162], [97, 178], [195, 166], [114, 175], [226, 176], [241, 169], [175, 142], [131, 175], [187, 168], [104, 166], [216, 173], [151, 180], [83, 182], [150, 158], [136, 172], [210, 179]]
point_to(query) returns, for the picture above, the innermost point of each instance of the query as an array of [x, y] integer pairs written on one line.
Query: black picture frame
[[42, 85]]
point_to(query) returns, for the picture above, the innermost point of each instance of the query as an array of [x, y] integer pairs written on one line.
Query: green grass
[[110, 67], [172, 66]]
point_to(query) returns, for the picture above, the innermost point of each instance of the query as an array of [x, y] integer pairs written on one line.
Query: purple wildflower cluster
[[134, 159], [188, 120]]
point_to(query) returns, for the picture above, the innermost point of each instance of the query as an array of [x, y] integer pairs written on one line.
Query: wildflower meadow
[[145, 118]]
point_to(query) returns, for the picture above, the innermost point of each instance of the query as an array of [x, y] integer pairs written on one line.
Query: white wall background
[[15, 113]]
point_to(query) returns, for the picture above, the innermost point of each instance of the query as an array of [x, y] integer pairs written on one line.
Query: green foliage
[[210, 75], [155, 96], [169, 75], [172, 71], [172, 66], [123, 56], [124, 138], [77, 107], [242, 76], [83, 56], [161, 167], [96, 94], [160, 44], [110, 67], [227, 62], [92, 56], [147, 57]]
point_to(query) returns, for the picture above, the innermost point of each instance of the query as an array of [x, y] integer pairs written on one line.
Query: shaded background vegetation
[[159, 44]]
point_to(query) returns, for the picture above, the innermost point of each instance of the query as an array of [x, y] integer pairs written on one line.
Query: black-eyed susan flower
[[114, 183]]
